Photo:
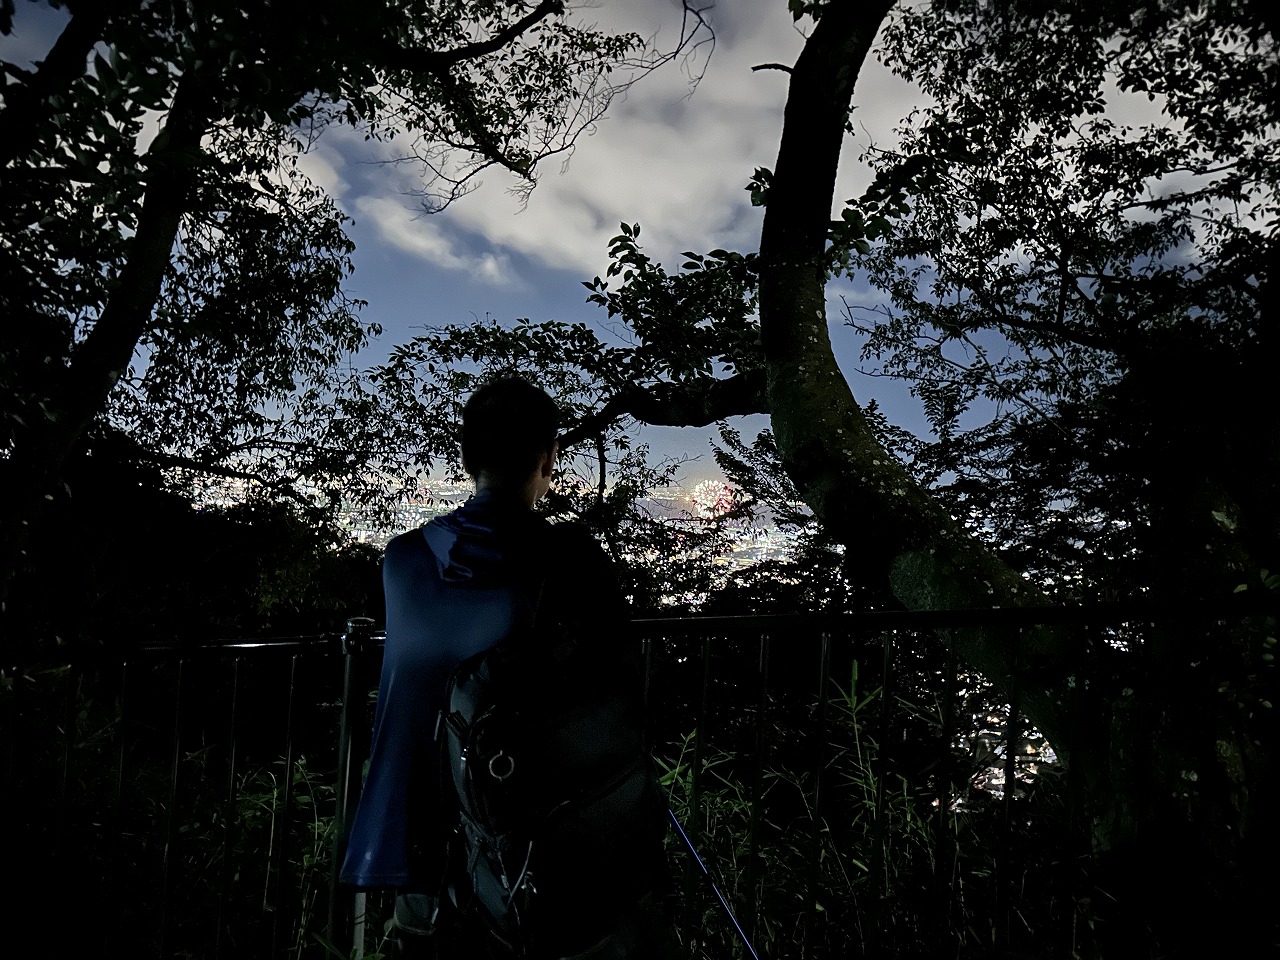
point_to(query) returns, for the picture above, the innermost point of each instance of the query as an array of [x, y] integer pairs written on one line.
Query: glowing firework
[[712, 498]]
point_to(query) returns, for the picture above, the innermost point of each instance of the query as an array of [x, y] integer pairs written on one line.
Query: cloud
[[428, 238], [674, 161], [321, 165]]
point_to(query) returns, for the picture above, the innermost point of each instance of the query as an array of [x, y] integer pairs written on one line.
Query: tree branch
[[692, 404], [395, 57], [25, 104], [99, 360], [439, 64]]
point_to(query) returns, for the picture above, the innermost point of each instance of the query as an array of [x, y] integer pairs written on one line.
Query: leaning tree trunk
[[860, 493], [101, 359], [1165, 769]]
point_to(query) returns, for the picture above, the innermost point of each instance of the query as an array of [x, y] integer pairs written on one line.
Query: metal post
[[68, 731], [278, 859], [945, 837], [706, 875], [171, 865], [117, 803], [757, 787], [819, 761], [229, 817], [356, 640], [695, 782], [646, 659], [1004, 861]]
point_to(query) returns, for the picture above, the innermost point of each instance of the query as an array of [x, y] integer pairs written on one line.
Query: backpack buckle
[[501, 766]]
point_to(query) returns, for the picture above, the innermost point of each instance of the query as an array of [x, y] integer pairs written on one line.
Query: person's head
[[509, 436]]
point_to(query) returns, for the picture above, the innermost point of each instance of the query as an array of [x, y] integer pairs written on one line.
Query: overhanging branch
[[27, 104], [691, 404], [395, 57]]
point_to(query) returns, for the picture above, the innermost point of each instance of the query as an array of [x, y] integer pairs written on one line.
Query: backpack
[[559, 812]]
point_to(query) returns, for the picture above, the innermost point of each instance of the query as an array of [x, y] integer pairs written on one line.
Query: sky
[[671, 157]]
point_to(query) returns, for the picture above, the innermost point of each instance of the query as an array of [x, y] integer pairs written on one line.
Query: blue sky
[[672, 159]]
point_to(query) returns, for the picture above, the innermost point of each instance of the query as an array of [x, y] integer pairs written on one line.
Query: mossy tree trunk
[[1174, 767]]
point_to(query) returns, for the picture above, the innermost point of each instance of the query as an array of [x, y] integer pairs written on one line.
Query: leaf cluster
[[1079, 299], [695, 323], [244, 355]]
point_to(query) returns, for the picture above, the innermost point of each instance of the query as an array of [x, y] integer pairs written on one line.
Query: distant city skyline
[[763, 541]]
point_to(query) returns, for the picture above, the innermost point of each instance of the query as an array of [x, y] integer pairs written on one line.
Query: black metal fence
[[851, 787]]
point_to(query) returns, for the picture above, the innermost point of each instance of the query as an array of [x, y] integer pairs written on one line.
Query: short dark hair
[[506, 424]]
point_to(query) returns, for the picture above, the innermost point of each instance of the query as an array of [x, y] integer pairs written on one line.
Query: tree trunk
[[1166, 770], [101, 359], [859, 492]]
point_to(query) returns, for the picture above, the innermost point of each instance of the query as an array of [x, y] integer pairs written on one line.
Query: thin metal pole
[[169, 870], [886, 720], [757, 786], [359, 908], [746, 942], [695, 784], [355, 642], [229, 819], [13, 715], [1004, 889], [281, 820], [646, 660], [944, 838], [819, 762], [117, 802], [695, 800]]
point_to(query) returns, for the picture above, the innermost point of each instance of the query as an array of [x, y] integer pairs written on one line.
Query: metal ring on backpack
[[510, 766]]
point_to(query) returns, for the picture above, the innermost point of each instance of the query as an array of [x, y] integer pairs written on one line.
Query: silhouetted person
[[456, 587]]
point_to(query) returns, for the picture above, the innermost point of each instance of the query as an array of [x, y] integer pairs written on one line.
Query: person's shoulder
[[403, 546]]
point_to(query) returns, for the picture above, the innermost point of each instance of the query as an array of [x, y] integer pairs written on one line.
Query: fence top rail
[[364, 634], [1095, 614], [308, 642], [178, 649]]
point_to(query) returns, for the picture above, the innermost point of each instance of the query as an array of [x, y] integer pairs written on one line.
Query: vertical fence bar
[[229, 818], [359, 905], [880, 834], [340, 930], [695, 790], [694, 828], [1004, 873], [169, 868], [646, 661], [944, 844], [752, 898], [281, 822], [1079, 840], [886, 726], [816, 819], [58, 838], [117, 801]]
